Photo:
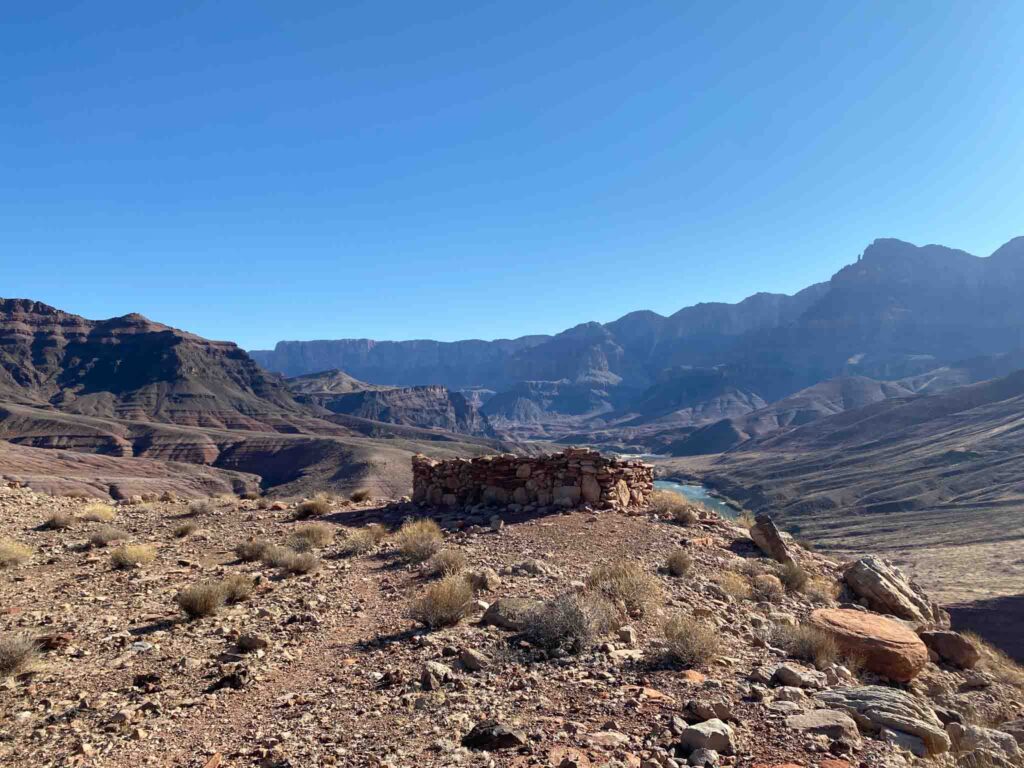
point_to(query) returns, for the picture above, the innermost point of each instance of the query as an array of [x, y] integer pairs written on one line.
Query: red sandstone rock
[[887, 647]]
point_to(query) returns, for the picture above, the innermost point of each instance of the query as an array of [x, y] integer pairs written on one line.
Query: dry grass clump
[[317, 506], [689, 641], [306, 562], [311, 536], [18, 653], [237, 587], [185, 529], [768, 588], [794, 577], [996, 663], [202, 507], [806, 643], [667, 503], [252, 550], [59, 521], [448, 561], [822, 591], [358, 542], [132, 555], [13, 553], [626, 582], [735, 585], [680, 562], [277, 556], [419, 540], [168, 496], [363, 494], [200, 600], [444, 603], [746, 519], [99, 513], [106, 535], [571, 623]]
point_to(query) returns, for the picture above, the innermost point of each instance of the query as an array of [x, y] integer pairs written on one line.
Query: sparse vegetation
[[106, 535], [793, 577], [99, 513], [168, 496], [132, 555], [201, 600], [59, 521], [358, 542], [300, 563], [996, 663], [444, 603], [317, 506], [185, 529], [570, 623], [419, 540], [311, 536], [277, 556], [18, 653], [363, 494], [689, 641], [746, 519], [237, 587], [201, 507], [734, 584], [626, 582], [13, 553], [679, 563], [448, 561], [252, 550], [821, 590], [806, 643], [768, 588]]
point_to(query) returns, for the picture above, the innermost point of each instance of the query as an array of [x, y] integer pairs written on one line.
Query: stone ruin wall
[[568, 479]]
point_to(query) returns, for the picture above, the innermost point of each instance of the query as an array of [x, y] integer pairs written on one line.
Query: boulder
[[1016, 729], [711, 734], [885, 589], [492, 735], [972, 738], [875, 707], [769, 540], [952, 647], [832, 723], [510, 613], [887, 647]]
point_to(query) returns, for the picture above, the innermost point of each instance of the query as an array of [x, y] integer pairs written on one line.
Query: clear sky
[[259, 171]]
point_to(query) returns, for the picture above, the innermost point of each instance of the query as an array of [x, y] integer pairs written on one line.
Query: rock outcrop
[[887, 647], [875, 708], [952, 647], [885, 589], [567, 479], [769, 540]]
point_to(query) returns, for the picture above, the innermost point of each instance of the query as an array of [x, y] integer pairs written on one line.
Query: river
[[700, 494]]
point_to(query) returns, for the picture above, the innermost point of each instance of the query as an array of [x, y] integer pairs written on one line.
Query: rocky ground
[[328, 668]]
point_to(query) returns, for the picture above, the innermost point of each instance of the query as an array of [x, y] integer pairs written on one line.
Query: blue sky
[[262, 170]]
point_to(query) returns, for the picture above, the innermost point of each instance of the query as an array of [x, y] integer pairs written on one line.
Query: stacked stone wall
[[570, 478]]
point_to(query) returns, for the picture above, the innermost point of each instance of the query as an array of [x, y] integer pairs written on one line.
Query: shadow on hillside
[[1000, 620]]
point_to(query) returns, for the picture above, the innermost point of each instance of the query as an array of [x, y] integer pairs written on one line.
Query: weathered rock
[[769, 540], [875, 707], [484, 579], [711, 734], [474, 660], [885, 589], [887, 647], [510, 613], [434, 675], [952, 647], [1016, 729], [492, 735], [797, 677], [703, 758], [903, 740], [826, 722], [971, 738]]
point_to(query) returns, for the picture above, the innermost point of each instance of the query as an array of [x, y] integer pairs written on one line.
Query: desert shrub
[[363, 494], [996, 663], [311, 536], [734, 584], [201, 507], [17, 654], [358, 542], [680, 562], [751, 567], [301, 562], [131, 555], [571, 623], [317, 506], [59, 521], [626, 582], [805, 642], [768, 588], [377, 531], [793, 577], [13, 553], [821, 590], [689, 641], [99, 513], [746, 519], [419, 540], [168, 496], [277, 556], [444, 603], [185, 529], [202, 599], [448, 561], [237, 587], [665, 502], [263, 503], [252, 550], [105, 535], [250, 496]]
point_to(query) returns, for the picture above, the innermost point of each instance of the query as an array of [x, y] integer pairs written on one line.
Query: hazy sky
[[265, 170]]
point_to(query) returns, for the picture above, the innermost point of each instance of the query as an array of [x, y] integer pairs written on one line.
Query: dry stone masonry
[[567, 479]]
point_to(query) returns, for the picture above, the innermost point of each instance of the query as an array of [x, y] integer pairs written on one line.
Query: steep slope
[[430, 407]]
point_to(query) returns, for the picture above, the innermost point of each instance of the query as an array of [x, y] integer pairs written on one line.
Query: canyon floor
[[328, 668]]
